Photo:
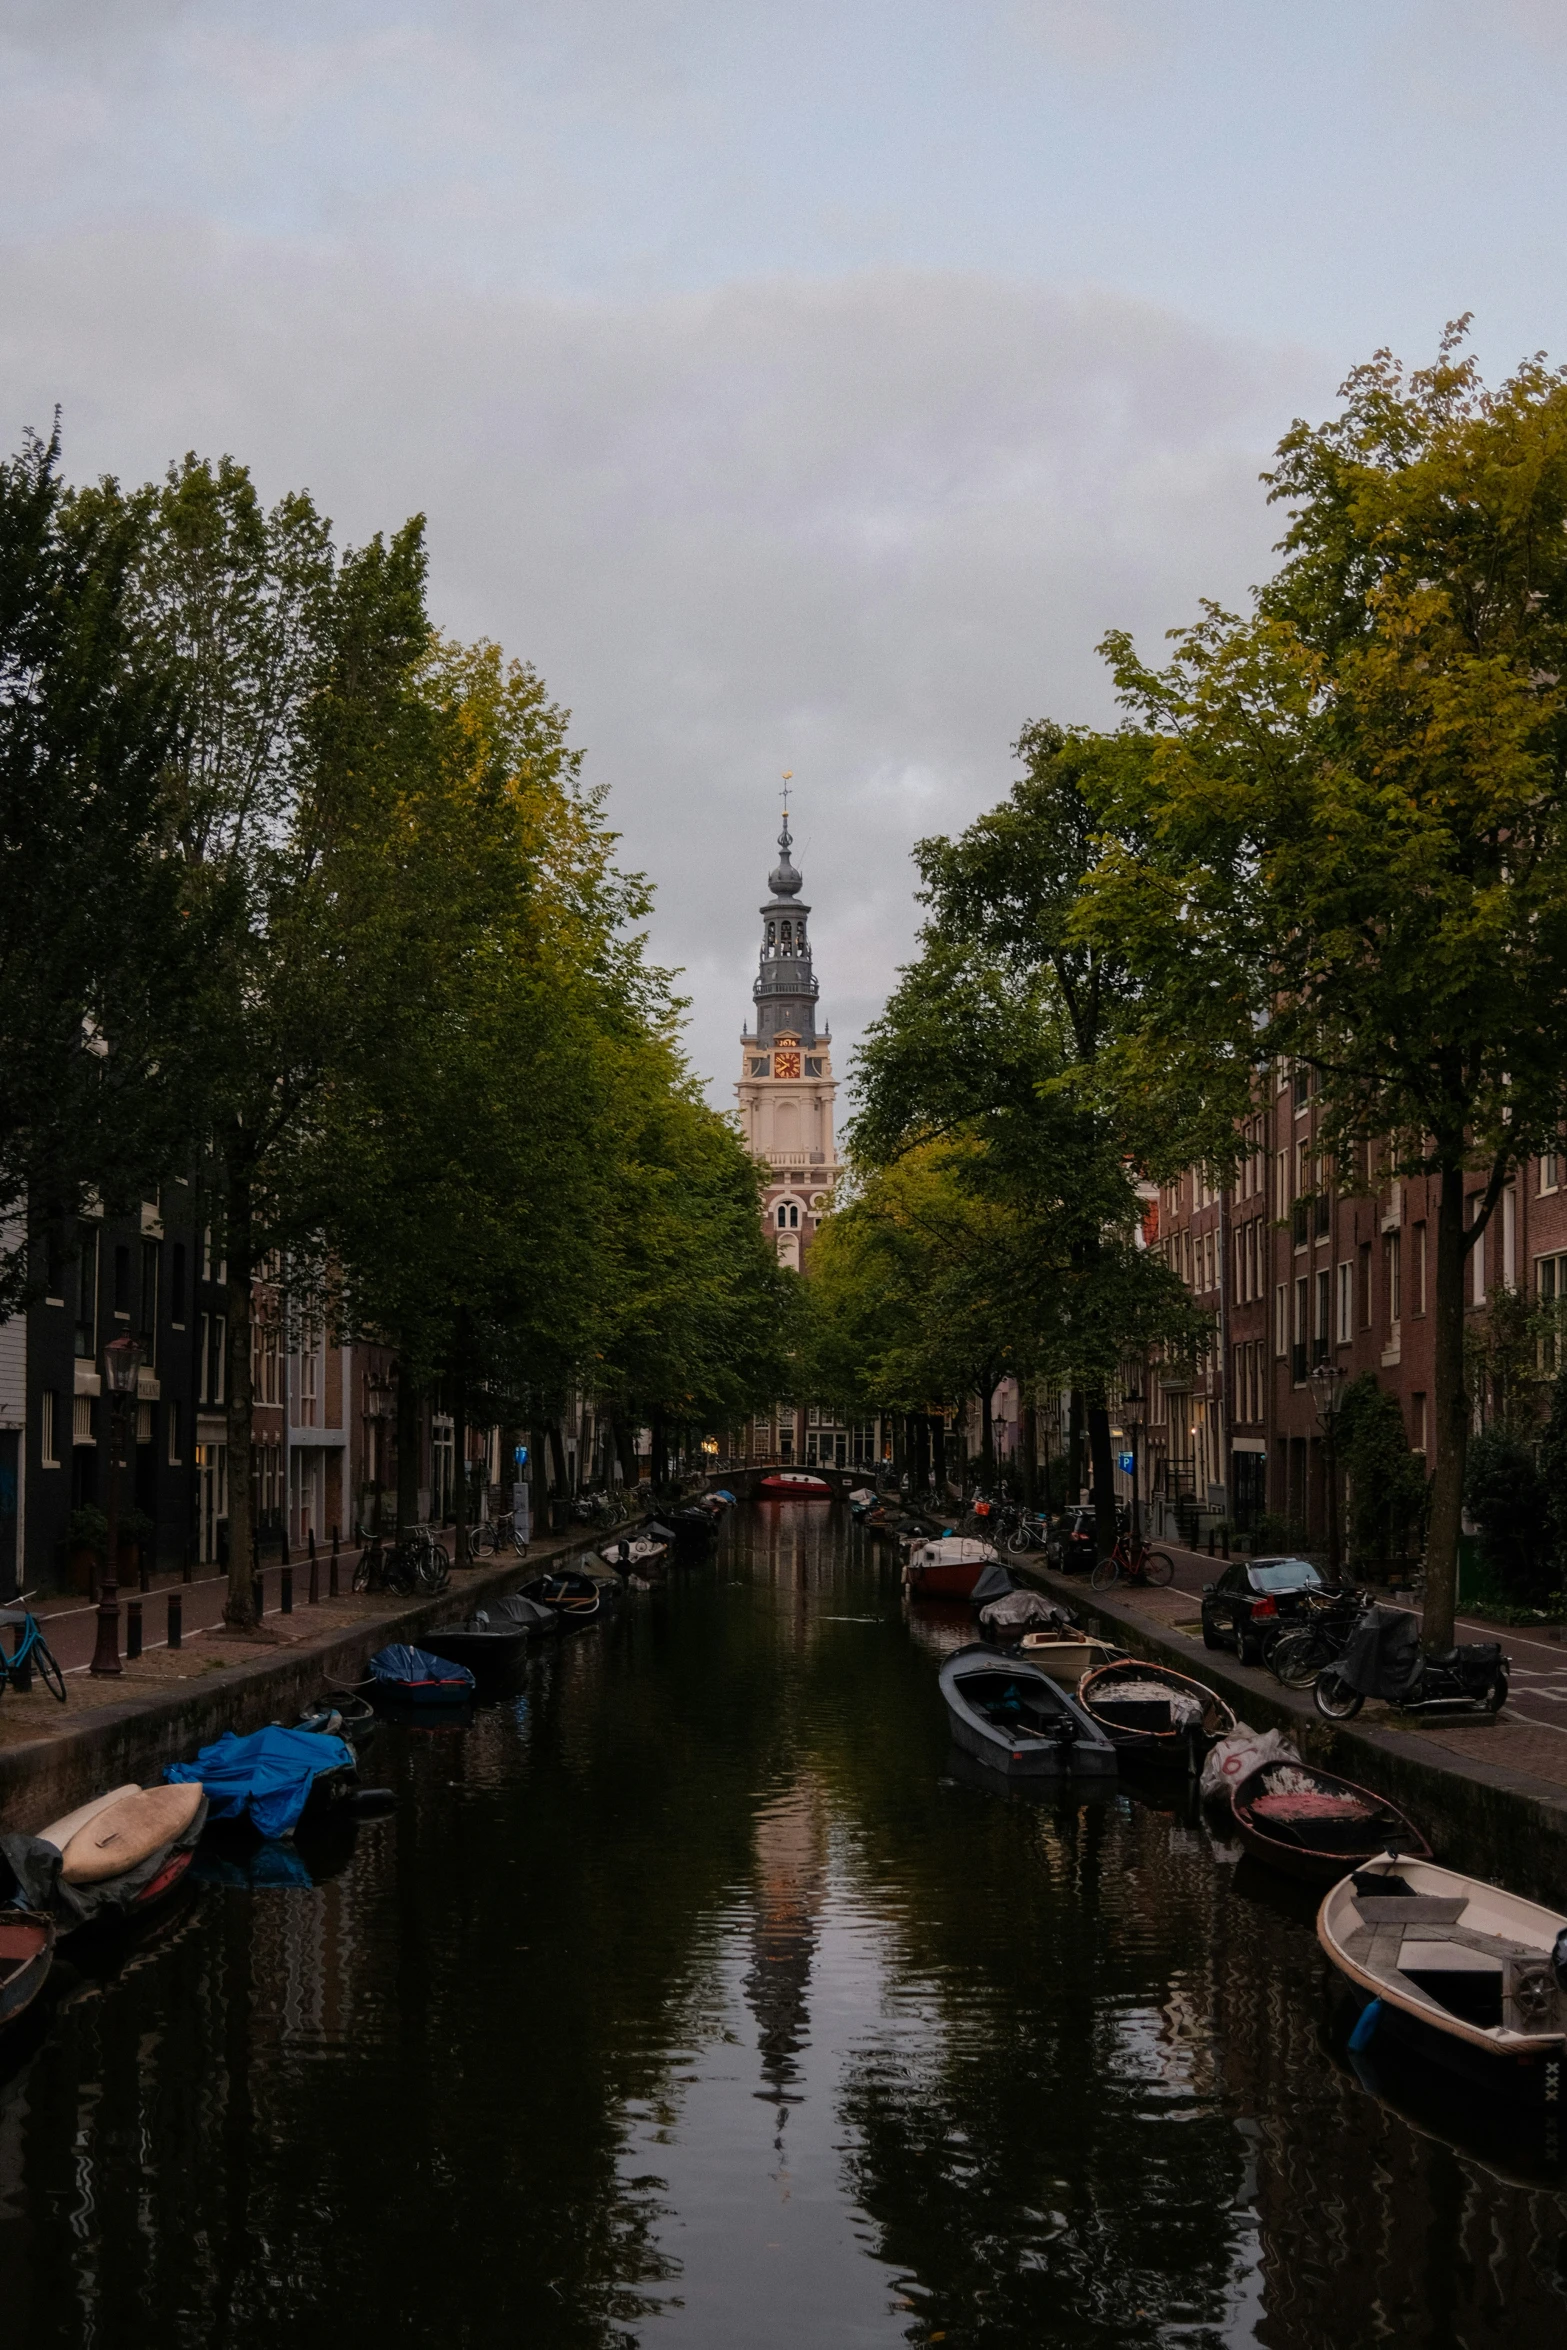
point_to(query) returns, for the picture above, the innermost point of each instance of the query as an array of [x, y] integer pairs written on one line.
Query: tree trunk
[[1451, 1415], [539, 1481], [900, 1445], [1102, 1466], [625, 1450], [987, 1433], [408, 1400], [1074, 1446], [460, 1468], [1031, 1455], [557, 1460], [238, 1246], [938, 1454]]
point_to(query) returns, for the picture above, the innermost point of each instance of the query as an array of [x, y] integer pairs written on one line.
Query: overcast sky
[[801, 385]]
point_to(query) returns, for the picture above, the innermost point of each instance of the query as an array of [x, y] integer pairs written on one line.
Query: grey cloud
[[863, 529]]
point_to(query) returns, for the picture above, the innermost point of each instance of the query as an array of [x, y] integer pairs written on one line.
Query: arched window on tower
[[799, 938], [783, 1216], [786, 937], [794, 1216], [772, 933]]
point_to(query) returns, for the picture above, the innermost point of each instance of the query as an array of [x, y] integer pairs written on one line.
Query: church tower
[[787, 1087]]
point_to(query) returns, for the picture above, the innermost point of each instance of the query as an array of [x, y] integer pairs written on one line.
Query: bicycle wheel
[[481, 1541], [1159, 1568], [1334, 1699], [1018, 1539], [432, 1568], [1297, 1659], [1104, 1575], [41, 1658], [362, 1572]]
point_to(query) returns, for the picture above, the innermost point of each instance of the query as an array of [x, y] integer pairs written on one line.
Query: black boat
[[574, 1598], [486, 1643], [1014, 1719], [340, 1713], [26, 1955], [516, 1608]]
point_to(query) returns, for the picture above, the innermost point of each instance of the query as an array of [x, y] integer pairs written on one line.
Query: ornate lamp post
[[1132, 1404], [1327, 1393], [120, 1360]]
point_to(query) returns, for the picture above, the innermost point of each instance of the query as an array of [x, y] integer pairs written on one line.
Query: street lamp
[[1327, 1393], [1135, 1396], [121, 1359]]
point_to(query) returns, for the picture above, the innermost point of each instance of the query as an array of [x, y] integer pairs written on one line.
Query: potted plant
[[86, 1538]]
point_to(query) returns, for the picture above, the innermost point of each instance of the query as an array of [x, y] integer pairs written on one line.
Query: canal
[[692, 1997]]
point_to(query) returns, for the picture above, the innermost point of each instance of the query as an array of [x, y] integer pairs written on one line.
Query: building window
[[177, 1285], [1417, 1270], [1477, 1252], [81, 1420], [1302, 1338], [1344, 1324], [1281, 1321], [216, 1352], [48, 1430], [175, 1455], [1393, 1269], [151, 1254], [1322, 1327], [1550, 1171], [1365, 1284], [122, 1283], [1417, 1415]]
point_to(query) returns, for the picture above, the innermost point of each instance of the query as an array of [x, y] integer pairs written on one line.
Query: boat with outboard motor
[[1154, 1714], [572, 1596], [416, 1676], [1472, 1976], [1014, 1719], [799, 1484], [486, 1642]]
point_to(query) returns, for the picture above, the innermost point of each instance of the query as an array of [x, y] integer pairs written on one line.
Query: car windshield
[[1285, 1575]]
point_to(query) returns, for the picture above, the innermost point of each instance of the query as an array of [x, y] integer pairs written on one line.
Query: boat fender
[[1559, 1960], [1361, 2037]]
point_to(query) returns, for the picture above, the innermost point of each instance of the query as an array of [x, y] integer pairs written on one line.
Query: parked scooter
[[1384, 1659]]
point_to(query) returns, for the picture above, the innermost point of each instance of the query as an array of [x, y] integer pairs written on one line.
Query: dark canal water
[[689, 1999]]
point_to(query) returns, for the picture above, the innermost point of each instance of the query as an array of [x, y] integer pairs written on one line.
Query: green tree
[[96, 968], [1343, 842]]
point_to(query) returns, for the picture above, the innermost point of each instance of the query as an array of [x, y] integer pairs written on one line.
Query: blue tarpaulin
[[414, 1672], [264, 1778]]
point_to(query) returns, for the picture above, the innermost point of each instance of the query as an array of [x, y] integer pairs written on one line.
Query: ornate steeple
[[785, 991]]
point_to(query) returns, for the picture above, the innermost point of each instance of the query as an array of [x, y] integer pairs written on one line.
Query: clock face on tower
[[786, 1064]]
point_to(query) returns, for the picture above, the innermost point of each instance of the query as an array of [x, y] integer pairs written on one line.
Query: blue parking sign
[[1127, 1462]]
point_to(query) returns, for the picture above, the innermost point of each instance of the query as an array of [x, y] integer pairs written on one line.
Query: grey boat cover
[[36, 1868], [994, 1583], [1024, 1611], [516, 1608]]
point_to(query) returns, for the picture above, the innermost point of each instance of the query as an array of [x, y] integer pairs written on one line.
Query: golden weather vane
[[788, 778]]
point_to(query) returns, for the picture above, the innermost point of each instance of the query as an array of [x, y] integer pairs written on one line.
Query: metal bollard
[[258, 1594], [143, 1574], [132, 1629], [176, 1620], [331, 1584], [1210, 1542], [315, 1571], [286, 1590]]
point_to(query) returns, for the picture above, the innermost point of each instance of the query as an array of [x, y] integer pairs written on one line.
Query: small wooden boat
[[634, 1557], [485, 1643], [26, 1955], [1016, 1720], [862, 1501], [340, 1713], [573, 1597], [541, 1623], [414, 1676], [798, 1484], [1315, 1826], [1473, 1976], [1066, 1655], [1154, 1714], [947, 1568]]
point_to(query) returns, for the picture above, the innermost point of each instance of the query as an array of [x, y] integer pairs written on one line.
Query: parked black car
[[1254, 1599], [1073, 1547]]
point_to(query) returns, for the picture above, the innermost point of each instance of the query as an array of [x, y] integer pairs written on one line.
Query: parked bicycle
[[1031, 1531], [493, 1534], [1385, 1660], [30, 1654], [1133, 1561], [416, 1563], [1303, 1650]]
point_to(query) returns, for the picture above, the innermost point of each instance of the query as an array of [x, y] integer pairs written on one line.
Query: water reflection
[[692, 1995]]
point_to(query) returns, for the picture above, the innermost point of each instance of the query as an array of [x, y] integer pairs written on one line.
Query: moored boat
[[572, 1596], [1152, 1713], [1471, 1975], [1315, 1826], [634, 1555], [947, 1568], [112, 1860], [1015, 1720], [415, 1676], [26, 1955], [483, 1642], [796, 1482], [1066, 1655]]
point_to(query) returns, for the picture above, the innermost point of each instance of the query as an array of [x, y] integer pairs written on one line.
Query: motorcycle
[[1384, 1659]]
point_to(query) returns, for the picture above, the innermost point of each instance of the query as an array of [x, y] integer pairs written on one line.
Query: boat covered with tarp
[[116, 1857], [416, 1676], [268, 1777]]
